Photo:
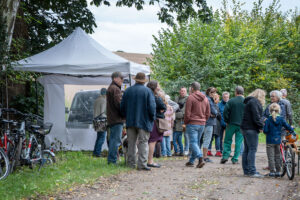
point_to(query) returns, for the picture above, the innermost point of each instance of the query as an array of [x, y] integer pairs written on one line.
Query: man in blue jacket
[[225, 99], [139, 108]]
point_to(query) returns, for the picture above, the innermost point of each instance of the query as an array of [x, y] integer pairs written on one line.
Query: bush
[[254, 49]]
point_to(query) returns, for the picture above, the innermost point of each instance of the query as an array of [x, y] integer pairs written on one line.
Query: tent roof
[[79, 55]]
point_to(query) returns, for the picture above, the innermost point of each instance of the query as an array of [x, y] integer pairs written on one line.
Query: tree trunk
[[8, 11]]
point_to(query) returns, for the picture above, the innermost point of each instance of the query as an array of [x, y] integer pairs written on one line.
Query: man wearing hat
[[138, 106], [100, 109]]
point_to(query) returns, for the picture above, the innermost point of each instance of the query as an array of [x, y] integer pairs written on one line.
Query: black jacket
[[253, 115], [160, 107]]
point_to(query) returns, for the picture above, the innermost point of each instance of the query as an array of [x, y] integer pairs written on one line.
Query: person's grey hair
[[284, 92], [225, 93], [277, 93], [116, 75], [103, 91], [239, 90], [195, 85]]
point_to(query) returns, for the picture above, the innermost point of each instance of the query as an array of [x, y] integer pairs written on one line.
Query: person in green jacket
[[233, 115]]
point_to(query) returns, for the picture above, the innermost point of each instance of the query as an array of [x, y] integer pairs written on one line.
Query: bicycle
[[4, 164], [288, 156], [31, 150]]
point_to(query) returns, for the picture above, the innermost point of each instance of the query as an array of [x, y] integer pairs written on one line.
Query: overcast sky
[[131, 31]]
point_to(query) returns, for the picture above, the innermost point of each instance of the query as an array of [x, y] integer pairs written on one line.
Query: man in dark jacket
[[178, 129], [225, 99], [139, 108], [197, 112], [114, 118], [276, 97], [233, 115], [288, 106]]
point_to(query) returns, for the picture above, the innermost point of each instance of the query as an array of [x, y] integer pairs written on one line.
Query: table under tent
[[77, 60]]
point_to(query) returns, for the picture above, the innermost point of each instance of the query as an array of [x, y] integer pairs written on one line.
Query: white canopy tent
[[77, 60]]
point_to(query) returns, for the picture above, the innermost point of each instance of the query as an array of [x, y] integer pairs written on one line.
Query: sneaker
[[186, 153], [271, 174], [144, 169], [208, 160], [218, 154], [277, 174], [200, 163], [181, 154], [154, 165], [234, 162], [169, 155], [223, 161], [209, 153], [189, 164], [256, 175], [175, 154]]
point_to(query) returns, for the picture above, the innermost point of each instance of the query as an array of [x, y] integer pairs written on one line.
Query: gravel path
[[175, 181]]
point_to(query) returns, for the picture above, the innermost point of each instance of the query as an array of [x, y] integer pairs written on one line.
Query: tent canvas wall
[[77, 60]]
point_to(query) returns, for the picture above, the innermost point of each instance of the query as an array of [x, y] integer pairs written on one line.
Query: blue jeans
[[166, 146], [250, 148], [114, 142], [195, 132], [242, 148], [99, 142], [178, 139], [186, 141], [217, 142]]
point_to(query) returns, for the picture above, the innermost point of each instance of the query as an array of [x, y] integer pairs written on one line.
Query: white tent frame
[[66, 71]]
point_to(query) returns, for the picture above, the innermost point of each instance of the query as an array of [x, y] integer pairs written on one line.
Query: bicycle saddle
[[5, 121], [35, 127]]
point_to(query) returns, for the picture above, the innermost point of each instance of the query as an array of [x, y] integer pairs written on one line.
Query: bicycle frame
[[282, 146]]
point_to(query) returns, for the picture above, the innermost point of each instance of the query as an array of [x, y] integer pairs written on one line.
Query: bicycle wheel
[[49, 159], [290, 162], [283, 165], [4, 165], [16, 156]]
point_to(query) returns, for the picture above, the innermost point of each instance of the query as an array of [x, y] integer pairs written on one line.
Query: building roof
[[135, 57]]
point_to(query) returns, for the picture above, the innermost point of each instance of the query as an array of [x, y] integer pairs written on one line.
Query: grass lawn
[[71, 168]]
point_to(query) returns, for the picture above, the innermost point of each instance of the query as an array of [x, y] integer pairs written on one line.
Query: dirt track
[[175, 181]]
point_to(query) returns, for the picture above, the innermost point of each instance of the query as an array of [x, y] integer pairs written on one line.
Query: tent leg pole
[[130, 80], [36, 97]]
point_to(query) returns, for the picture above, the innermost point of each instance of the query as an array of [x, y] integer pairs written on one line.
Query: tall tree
[[8, 13], [182, 9], [42, 24]]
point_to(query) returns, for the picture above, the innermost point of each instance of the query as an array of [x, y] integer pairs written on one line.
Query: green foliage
[[42, 24], [183, 9], [71, 169], [27, 103], [254, 49]]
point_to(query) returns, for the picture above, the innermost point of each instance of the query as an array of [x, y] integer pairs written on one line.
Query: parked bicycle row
[[22, 141]]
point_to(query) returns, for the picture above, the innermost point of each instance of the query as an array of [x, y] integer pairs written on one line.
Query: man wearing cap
[[100, 109], [139, 108], [114, 118]]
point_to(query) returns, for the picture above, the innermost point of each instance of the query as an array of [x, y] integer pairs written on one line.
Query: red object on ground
[[218, 154], [209, 153]]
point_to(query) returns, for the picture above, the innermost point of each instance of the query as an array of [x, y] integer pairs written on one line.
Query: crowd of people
[[151, 118]]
